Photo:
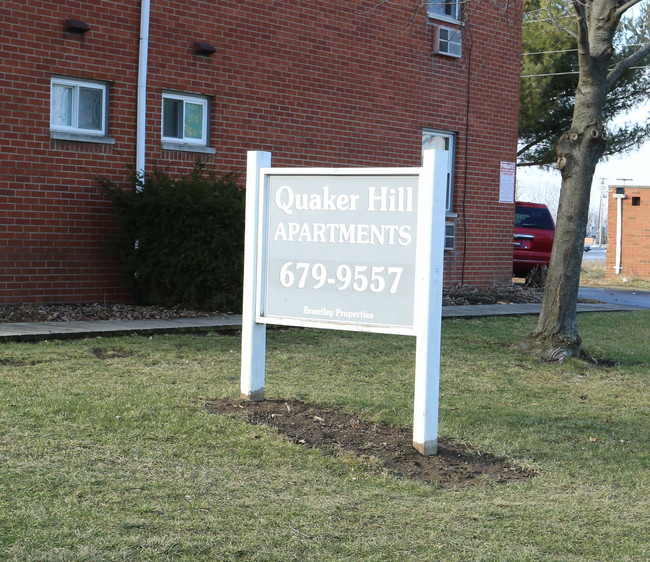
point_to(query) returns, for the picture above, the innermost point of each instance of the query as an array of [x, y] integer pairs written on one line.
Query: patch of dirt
[[506, 293], [105, 353], [8, 362], [455, 465]]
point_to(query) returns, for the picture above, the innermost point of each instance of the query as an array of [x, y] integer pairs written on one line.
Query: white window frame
[[450, 235], [437, 9], [428, 135], [452, 44], [75, 86], [188, 141]]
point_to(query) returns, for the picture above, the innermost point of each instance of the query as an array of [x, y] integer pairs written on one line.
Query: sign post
[[349, 249], [253, 336], [428, 301]]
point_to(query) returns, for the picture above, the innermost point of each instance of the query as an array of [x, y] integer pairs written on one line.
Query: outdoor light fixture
[[204, 48], [75, 26]]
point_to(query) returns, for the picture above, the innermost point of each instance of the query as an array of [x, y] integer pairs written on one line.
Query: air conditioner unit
[[447, 41]]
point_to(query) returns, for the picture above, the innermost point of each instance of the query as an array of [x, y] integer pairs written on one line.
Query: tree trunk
[[556, 336]]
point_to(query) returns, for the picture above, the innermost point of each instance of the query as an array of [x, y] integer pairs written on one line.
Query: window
[[78, 107], [185, 119], [448, 41], [450, 235], [533, 216], [448, 140], [444, 9]]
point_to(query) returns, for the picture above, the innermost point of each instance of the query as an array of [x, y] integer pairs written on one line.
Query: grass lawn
[[108, 453]]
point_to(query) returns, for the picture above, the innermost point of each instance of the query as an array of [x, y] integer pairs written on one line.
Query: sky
[[541, 186]]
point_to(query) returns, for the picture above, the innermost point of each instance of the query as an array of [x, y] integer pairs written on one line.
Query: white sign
[[339, 249], [348, 249], [507, 182]]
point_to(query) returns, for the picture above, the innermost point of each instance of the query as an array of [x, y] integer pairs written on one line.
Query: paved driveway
[[624, 297]]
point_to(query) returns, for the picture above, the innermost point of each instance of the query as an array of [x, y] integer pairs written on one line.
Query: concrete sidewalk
[[35, 331]]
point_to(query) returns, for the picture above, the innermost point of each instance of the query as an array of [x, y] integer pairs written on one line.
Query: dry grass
[[592, 274], [108, 452]]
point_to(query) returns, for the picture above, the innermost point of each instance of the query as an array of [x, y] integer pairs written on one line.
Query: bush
[[182, 240], [536, 278]]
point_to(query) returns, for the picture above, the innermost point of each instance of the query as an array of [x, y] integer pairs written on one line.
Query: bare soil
[[388, 448]]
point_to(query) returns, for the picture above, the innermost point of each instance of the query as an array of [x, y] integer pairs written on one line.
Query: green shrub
[[182, 240]]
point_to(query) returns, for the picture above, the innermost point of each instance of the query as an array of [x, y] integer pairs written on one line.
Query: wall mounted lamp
[[204, 48], [75, 26]]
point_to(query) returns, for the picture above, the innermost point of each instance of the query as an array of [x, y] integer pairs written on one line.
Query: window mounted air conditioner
[[447, 41]]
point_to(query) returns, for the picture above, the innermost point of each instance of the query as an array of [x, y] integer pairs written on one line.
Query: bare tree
[[549, 67], [556, 336], [539, 191], [596, 26]]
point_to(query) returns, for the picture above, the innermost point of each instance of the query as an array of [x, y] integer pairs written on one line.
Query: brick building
[[88, 88], [628, 241]]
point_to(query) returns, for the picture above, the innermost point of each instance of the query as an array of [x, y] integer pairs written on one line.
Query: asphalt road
[[596, 254], [626, 297]]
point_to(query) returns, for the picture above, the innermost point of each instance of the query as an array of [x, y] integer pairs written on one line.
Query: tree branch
[[627, 63], [625, 6], [583, 31], [539, 140], [551, 16]]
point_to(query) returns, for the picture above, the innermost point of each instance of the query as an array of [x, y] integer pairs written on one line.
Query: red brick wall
[[54, 223], [635, 234], [316, 83]]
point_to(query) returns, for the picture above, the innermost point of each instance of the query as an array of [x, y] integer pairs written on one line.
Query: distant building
[[87, 88], [628, 247]]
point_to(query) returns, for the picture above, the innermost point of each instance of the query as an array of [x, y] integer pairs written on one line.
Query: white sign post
[[347, 249], [428, 301], [253, 336]]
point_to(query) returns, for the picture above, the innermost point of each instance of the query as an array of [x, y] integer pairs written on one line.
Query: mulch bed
[[506, 293], [28, 312], [455, 465]]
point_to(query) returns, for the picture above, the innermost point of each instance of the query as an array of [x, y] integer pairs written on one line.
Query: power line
[[549, 52], [573, 72], [539, 20], [574, 50], [549, 74]]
